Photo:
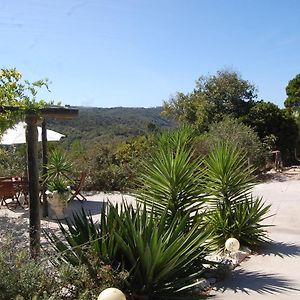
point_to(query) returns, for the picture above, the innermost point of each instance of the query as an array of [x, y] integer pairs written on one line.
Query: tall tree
[[292, 102], [216, 96]]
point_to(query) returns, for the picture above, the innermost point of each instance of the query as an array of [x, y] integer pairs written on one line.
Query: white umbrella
[[17, 135]]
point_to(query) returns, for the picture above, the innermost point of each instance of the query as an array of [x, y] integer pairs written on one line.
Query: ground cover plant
[[24, 279]]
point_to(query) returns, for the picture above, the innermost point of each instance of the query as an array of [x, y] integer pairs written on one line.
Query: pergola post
[[33, 182], [45, 162]]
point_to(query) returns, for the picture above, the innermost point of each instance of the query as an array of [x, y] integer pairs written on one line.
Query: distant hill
[[110, 124]]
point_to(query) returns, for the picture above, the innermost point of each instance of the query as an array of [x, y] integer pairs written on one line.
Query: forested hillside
[[110, 124]]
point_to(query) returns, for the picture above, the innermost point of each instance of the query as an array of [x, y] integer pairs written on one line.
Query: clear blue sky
[[138, 53]]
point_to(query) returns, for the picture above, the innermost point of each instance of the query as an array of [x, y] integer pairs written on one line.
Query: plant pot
[[57, 202]]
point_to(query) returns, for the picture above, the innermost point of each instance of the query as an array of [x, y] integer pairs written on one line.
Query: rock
[[238, 257]]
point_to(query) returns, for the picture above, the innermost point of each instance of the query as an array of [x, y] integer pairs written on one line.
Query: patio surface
[[274, 273]]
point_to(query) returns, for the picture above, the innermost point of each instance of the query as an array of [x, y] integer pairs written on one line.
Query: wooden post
[[45, 162], [33, 181]]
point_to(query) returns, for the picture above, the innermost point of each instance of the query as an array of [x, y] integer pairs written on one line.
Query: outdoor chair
[[77, 187], [8, 191]]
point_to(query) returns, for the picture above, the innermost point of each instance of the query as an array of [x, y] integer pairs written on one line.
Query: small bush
[[24, 279], [20, 275]]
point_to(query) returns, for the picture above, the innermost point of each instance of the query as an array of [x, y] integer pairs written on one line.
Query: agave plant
[[172, 178], [234, 212], [163, 260]]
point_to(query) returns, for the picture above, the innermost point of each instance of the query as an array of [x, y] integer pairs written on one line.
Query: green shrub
[[24, 279], [234, 133], [20, 275], [234, 212]]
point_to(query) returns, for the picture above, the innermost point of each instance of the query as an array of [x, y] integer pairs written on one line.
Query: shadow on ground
[[90, 207], [259, 282], [281, 249]]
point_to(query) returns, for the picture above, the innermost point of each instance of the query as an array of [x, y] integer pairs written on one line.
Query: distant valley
[[106, 125]]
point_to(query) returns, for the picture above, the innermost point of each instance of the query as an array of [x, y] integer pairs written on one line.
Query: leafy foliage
[[20, 275], [115, 167], [16, 92], [223, 94], [23, 278], [242, 220], [292, 102], [233, 132], [268, 120], [234, 213], [12, 160]]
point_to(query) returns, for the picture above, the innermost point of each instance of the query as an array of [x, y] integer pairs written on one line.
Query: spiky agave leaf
[[233, 211], [229, 177], [162, 257], [172, 178]]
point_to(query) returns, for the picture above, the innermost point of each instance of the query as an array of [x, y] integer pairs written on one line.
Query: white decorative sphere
[[111, 294], [232, 245]]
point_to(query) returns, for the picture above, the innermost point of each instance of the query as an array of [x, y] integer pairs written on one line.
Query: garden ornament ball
[[232, 245], [111, 294]]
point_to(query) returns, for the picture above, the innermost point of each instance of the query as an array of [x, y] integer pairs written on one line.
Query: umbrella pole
[[33, 182], [45, 162]]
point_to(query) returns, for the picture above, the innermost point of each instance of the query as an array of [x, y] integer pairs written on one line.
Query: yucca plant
[[88, 243], [229, 176], [233, 211], [163, 260], [172, 178], [242, 221], [59, 169]]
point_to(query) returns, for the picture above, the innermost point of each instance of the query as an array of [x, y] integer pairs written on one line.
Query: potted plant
[[58, 181]]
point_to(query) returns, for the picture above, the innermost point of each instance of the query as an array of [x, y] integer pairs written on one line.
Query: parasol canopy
[[17, 135]]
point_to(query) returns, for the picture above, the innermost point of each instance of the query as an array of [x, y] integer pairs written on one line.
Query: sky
[[138, 53]]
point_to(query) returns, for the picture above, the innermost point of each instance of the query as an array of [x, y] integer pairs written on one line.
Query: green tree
[[292, 102], [214, 97], [268, 119]]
